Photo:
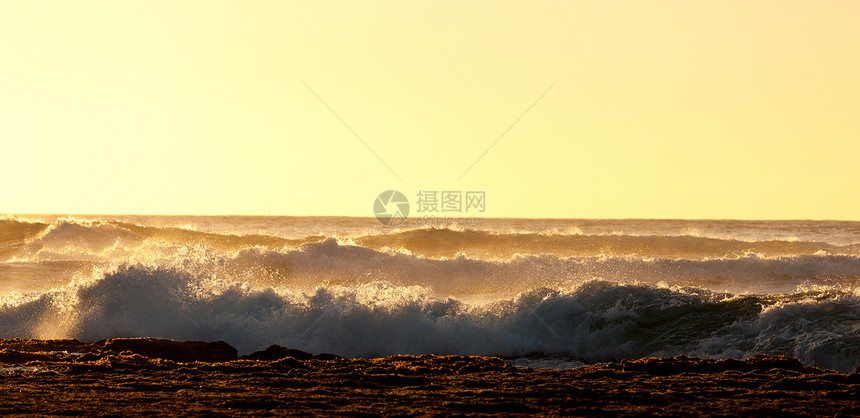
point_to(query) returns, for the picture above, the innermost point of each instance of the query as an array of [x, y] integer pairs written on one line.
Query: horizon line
[[15, 214]]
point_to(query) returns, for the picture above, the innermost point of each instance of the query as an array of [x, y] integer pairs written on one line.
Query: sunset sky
[[658, 109]]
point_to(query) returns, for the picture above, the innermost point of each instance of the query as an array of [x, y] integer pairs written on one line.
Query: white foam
[[594, 321]]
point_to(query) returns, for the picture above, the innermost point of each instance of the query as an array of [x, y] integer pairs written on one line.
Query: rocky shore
[[165, 377]]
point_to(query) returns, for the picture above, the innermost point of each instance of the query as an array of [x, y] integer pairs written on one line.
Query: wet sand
[[165, 377]]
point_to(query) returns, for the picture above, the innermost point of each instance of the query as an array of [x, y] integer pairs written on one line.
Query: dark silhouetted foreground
[[135, 376]]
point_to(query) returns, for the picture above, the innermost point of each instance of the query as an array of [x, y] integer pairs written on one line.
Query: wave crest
[[593, 321]]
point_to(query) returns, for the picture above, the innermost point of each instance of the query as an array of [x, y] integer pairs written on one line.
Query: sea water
[[538, 291]]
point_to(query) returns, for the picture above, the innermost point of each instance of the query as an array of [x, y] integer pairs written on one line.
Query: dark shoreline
[[165, 377]]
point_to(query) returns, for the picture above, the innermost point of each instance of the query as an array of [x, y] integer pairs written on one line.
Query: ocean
[[550, 293]]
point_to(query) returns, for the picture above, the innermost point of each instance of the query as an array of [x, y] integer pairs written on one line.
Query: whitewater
[[542, 292]]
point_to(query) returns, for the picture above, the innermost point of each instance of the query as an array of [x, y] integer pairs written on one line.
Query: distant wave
[[593, 321], [94, 240], [449, 242], [266, 260], [331, 262], [75, 239]]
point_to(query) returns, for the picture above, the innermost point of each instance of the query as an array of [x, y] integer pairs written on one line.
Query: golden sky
[[660, 109]]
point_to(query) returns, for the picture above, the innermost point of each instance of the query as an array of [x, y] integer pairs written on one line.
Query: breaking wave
[[593, 321]]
